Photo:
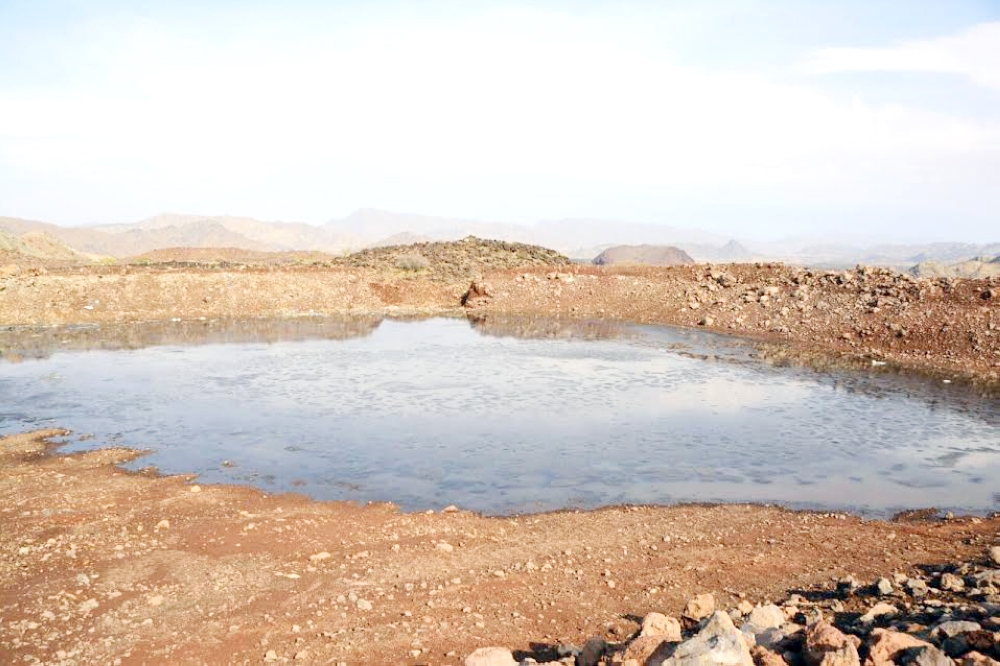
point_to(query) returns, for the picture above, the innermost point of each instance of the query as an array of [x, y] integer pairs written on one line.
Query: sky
[[861, 118]]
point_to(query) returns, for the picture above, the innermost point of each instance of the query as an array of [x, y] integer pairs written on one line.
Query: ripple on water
[[438, 412]]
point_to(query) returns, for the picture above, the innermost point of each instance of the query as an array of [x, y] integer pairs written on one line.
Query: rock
[[762, 657], [648, 649], [994, 553], [155, 600], [195, 489], [700, 607], [951, 582], [719, 643], [954, 628], [769, 638], [988, 578], [318, 557], [706, 321], [885, 645], [745, 607], [451, 508], [977, 659], [828, 646], [592, 651], [364, 604], [924, 656], [884, 586], [444, 547], [162, 525], [301, 654], [478, 291], [877, 611], [491, 656], [764, 617], [662, 626], [917, 587], [270, 655], [847, 584]]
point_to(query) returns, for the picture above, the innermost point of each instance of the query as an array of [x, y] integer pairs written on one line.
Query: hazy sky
[[751, 118]]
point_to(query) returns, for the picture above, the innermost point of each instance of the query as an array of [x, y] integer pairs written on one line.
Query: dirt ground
[[944, 325], [100, 566]]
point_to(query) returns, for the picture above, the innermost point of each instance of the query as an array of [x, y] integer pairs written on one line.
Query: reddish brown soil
[[98, 566], [946, 325]]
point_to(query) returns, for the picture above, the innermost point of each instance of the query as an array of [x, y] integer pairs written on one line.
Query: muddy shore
[[100, 566]]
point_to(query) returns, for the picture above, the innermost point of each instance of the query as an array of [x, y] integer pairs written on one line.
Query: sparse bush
[[412, 262]]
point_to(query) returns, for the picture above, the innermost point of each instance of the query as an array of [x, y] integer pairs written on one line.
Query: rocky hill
[[973, 268], [650, 255], [468, 257], [35, 246]]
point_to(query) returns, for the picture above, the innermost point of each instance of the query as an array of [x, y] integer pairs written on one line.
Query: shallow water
[[505, 415]]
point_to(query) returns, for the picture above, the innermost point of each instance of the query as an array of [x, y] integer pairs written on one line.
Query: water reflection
[[524, 417], [550, 328], [20, 343]]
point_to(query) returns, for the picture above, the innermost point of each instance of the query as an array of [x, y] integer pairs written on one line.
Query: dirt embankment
[[945, 325], [98, 566]]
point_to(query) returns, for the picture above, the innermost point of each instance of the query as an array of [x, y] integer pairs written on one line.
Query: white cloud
[[973, 53], [514, 94]]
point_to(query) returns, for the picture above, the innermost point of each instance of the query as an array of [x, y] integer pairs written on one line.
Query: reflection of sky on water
[[432, 413]]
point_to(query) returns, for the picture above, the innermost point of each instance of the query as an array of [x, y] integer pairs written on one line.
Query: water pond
[[503, 415]]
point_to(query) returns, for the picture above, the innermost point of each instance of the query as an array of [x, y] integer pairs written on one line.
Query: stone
[[647, 649], [877, 611], [884, 586], [162, 525], [444, 547], [924, 656], [884, 645], [763, 657], [977, 659], [592, 651], [917, 587], [745, 607], [827, 646], [951, 582], [301, 654], [364, 604], [319, 557], [491, 656], [662, 626], [155, 600], [994, 553], [270, 655], [700, 607], [719, 643], [764, 617], [988, 578], [195, 489], [770, 638], [954, 628]]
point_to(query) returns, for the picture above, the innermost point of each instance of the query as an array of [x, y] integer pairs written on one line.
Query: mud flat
[[100, 566]]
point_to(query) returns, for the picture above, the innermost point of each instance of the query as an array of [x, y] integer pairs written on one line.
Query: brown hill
[[651, 255], [38, 247], [468, 257]]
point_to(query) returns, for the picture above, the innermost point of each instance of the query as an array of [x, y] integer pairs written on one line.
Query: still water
[[504, 416]]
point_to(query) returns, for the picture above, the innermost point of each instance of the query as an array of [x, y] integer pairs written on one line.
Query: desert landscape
[[102, 565], [500, 333]]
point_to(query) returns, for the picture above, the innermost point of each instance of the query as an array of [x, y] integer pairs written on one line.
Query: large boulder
[[491, 656], [719, 643]]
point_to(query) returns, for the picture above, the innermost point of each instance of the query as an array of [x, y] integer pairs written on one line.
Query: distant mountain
[[733, 251], [651, 255], [962, 269], [37, 245]]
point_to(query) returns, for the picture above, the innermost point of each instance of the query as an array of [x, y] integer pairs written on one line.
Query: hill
[[37, 246], [466, 258], [650, 255], [973, 268]]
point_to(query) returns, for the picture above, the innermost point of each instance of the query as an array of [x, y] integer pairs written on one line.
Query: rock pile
[[944, 616]]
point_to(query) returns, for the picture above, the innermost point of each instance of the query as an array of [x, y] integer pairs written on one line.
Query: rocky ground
[[947, 326], [100, 566], [940, 616]]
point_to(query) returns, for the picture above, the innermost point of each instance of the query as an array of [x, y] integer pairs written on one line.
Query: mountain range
[[581, 239]]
